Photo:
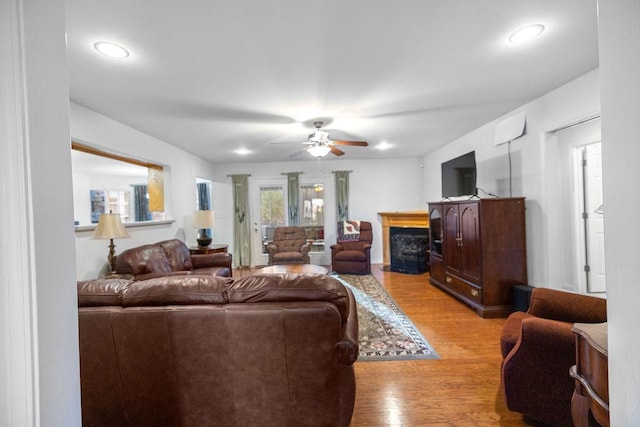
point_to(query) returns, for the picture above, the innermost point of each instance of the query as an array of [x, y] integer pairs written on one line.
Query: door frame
[[257, 257], [565, 242]]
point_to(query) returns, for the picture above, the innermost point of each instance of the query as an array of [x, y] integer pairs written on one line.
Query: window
[[105, 182]]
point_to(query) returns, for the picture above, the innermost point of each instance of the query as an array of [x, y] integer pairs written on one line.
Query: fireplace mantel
[[399, 219]]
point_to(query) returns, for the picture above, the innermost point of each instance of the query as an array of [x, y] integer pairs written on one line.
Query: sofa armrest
[[220, 259], [272, 249], [305, 248], [336, 247], [537, 368], [567, 306], [348, 347]]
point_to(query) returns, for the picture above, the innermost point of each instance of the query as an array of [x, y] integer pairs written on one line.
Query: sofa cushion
[[177, 290], [101, 292], [177, 254], [143, 259], [348, 255], [289, 287]]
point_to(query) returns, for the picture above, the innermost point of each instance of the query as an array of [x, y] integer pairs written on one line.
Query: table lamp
[[110, 227], [203, 221]]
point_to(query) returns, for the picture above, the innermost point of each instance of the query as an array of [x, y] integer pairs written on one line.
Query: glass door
[[312, 218], [270, 199]]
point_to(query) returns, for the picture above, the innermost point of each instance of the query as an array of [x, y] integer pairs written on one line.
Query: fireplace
[[409, 247]]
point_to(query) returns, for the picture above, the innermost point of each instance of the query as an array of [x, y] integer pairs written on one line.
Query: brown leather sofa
[[268, 350], [171, 257], [538, 348]]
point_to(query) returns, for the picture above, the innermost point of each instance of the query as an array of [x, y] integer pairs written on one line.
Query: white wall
[[181, 171], [620, 68], [565, 105], [39, 366], [374, 186]]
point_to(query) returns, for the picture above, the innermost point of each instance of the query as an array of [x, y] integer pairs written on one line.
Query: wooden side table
[[211, 249], [591, 397]]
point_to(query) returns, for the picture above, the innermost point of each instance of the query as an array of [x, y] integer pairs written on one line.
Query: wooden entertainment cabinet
[[478, 251]]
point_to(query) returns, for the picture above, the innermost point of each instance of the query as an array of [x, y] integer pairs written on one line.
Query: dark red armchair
[[538, 348], [353, 256]]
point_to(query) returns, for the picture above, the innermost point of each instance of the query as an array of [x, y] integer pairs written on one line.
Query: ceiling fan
[[319, 144]]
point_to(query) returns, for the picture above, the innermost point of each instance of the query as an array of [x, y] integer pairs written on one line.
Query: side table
[[211, 249], [591, 396]]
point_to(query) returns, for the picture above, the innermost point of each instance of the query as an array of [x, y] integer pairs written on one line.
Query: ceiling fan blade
[[336, 151], [297, 154], [354, 143]]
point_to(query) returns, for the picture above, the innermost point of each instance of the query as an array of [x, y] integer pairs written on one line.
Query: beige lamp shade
[[110, 227], [203, 219]]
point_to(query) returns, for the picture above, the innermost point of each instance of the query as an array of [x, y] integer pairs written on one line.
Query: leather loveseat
[[171, 257], [268, 350]]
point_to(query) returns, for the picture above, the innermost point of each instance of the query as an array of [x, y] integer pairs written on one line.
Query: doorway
[[268, 201], [576, 223]]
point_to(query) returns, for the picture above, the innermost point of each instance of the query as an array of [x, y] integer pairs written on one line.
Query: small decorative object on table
[[203, 220]]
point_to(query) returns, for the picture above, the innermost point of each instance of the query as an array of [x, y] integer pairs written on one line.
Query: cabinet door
[[470, 246], [435, 229], [451, 238]]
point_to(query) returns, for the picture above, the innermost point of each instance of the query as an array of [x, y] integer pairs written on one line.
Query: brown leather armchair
[[353, 257], [538, 348], [289, 246]]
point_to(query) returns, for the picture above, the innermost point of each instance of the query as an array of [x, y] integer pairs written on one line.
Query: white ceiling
[[213, 76]]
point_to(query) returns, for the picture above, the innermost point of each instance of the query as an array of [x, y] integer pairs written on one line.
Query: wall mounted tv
[[459, 176]]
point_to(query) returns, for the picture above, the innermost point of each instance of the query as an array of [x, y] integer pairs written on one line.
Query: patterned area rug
[[385, 332]]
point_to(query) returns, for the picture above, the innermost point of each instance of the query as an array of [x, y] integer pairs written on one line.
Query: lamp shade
[[318, 150], [110, 227], [203, 219]]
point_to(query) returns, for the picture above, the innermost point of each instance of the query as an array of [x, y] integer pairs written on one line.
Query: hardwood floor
[[462, 388]]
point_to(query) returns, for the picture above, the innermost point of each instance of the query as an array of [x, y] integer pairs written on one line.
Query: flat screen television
[[459, 176]]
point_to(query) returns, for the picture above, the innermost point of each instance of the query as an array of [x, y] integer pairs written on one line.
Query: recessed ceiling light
[[384, 145], [527, 33], [242, 151], [111, 50]]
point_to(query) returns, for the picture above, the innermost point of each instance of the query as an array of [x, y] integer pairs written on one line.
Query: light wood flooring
[[462, 388]]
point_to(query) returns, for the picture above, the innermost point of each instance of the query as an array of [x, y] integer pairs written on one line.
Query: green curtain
[[241, 221], [293, 191], [342, 194]]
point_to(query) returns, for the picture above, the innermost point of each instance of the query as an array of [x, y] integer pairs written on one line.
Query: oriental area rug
[[385, 332]]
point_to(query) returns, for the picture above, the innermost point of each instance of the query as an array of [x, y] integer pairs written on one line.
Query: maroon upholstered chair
[[289, 246], [538, 348], [353, 255]]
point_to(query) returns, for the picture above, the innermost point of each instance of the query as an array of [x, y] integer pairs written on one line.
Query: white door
[[268, 211], [578, 254], [594, 218]]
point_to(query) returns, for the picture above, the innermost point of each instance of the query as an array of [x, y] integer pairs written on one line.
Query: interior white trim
[[18, 337]]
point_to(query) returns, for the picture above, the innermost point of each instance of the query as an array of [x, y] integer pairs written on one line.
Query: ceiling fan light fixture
[[526, 34], [319, 150]]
